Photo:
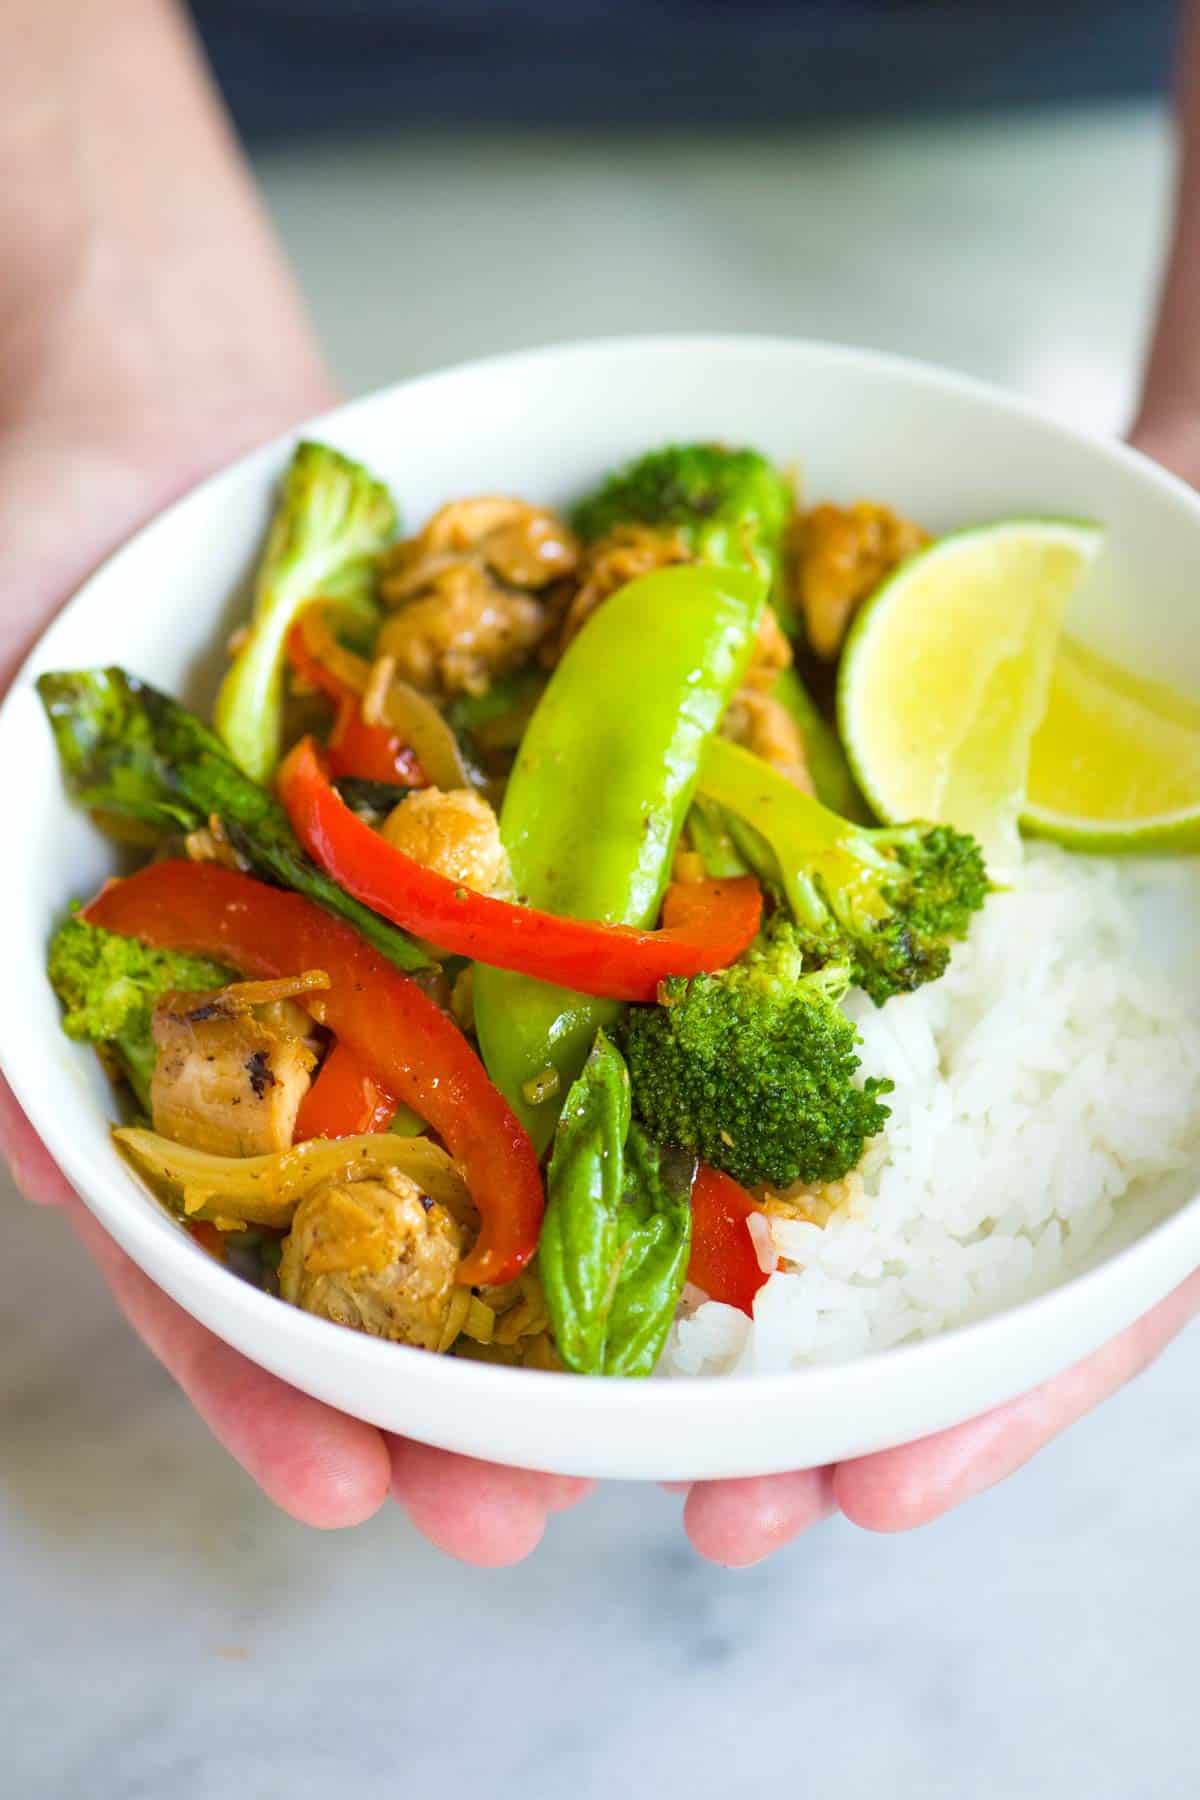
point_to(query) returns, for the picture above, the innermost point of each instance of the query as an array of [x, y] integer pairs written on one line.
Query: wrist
[[1170, 437]]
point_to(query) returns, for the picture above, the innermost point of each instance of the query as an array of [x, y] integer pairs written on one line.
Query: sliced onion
[[759, 1227], [241, 997], [413, 717], [265, 1190], [416, 720], [351, 670]]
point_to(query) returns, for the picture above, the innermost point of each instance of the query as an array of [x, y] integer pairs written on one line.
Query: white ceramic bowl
[[545, 424]]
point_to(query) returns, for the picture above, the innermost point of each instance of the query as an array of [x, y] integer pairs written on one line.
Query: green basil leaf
[[585, 1181], [614, 1248], [655, 1230]]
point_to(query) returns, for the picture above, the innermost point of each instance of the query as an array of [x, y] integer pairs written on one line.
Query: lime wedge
[[1115, 762], [946, 676]]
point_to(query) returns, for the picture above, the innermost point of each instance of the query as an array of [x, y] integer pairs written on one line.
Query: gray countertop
[[162, 1631]]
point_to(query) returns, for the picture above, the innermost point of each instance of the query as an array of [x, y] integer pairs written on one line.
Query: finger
[[479, 1512], [33, 1169], [915, 1483], [737, 1523], [322, 1467]]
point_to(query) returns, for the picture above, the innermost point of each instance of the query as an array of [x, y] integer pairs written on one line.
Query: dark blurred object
[[305, 65]]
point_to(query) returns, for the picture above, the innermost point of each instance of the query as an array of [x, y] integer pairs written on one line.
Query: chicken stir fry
[[838, 555], [380, 1256], [232, 1066], [456, 833], [757, 720], [624, 554], [558, 864], [469, 593]]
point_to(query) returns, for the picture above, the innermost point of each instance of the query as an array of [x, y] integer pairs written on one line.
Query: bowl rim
[[110, 1189]]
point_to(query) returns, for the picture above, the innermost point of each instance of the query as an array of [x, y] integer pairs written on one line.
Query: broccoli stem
[[127, 749], [801, 838], [332, 521], [888, 902]]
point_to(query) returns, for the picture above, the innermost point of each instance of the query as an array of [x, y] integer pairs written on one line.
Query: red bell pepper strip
[[724, 1262], [371, 752], [414, 1050], [368, 752], [316, 673], [208, 1238], [345, 1100], [706, 924]]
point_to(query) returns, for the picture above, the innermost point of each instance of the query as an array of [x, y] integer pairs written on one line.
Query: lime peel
[[947, 672], [1115, 762]]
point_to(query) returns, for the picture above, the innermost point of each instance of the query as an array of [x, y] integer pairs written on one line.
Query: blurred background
[[980, 185]]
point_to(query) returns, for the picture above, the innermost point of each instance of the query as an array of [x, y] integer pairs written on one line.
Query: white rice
[[1056, 1065]]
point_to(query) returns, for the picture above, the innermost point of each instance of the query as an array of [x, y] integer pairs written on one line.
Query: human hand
[[739, 1522], [149, 334], [138, 350]]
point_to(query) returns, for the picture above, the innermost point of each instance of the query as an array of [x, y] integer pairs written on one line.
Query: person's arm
[[738, 1522], [1167, 423], [150, 332], [148, 327]]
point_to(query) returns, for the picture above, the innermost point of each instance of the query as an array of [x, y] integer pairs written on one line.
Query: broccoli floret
[[891, 902], [730, 506], [108, 986], [888, 903], [332, 521], [753, 1067]]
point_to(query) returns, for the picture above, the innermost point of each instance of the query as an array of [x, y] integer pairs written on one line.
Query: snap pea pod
[[831, 777], [598, 793], [730, 508], [616, 1236], [655, 1232], [584, 1182]]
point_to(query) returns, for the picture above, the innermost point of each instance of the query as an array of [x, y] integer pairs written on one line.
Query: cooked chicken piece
[[620, 557], [758, 722], [464, 588], [753, 718], [837, 557], [632, 550], [463, 632], [379, 1256], [526, 546], [232, 1067], [456, 833], [771, 655]]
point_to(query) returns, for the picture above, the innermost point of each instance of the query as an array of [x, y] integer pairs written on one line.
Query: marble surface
[[162, 1631]]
